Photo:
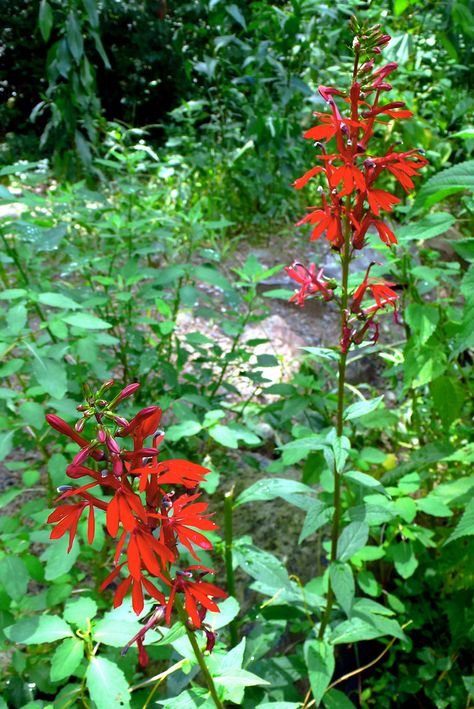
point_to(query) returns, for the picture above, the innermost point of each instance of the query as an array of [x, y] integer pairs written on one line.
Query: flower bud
[[101, 435], [112, 445], [79, 425], [127, 391]]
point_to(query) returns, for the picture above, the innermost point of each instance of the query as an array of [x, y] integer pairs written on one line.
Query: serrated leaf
[[107, 684], [360, 408], [39, 629], [459, 178], [427, 228], [352, 538], [403, 556], [422, 319], [58, 560], [465, 526], [317, 516], [74, 37], [79, 610], [66, 659], [319, 658], [87, 321]]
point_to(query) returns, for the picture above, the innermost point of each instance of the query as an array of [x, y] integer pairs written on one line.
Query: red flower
[[380, 199], [184, 516], [380, 289], [67, 518], [311, 283], [325, 220], [195, 592]]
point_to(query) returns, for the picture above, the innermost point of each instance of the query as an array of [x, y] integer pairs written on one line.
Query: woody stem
[[346, 259], [198, 654]]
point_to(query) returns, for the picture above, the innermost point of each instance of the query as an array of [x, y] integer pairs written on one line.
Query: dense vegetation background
[[147, 151]]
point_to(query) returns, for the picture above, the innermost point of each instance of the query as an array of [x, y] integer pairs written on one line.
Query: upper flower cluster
[[353, 198], [142, 509]]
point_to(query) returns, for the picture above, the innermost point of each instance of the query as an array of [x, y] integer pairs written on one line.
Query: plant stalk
[[346, 259], [198, 654], [229, 566]]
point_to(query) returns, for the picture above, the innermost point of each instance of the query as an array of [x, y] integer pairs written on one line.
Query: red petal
[[112, 516], [91, 525], [133, 558]]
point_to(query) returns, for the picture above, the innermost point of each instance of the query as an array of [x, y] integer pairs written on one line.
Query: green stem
[[336, 522], [198, 654], [235, 342], [229, 566]]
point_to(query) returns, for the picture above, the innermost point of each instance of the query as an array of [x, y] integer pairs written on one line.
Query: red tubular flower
[[195, 592], [311, 283], [185, 515], [67, 518], [325, 220], [380, 199]]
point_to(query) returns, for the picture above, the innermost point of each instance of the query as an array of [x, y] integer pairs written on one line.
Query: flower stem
[[346, 259], [198, 654], [228, 537]]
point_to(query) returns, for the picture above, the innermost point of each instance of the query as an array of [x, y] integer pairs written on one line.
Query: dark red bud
[[79, 425], [128, 391]]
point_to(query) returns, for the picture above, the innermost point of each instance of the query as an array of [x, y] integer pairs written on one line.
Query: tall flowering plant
[[151, 508], [353, 201]]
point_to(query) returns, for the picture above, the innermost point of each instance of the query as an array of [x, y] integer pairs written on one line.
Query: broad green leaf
[[235, 12], [342, 583], [14, 576], [403, 556], [86, 321], [39, 629], [271, 488], [298, 449], [366, 481], [319, 658], [432, 505], [45, 19], [238, 678], [57, 300], [366, 627], [210, 275], [334, 699], [33, 414], [79, 610], [360, 408], [465, 526], [352, 538], [107, 684], [51, 376], [422, 319], [183, 430], [448, 398], [317, 516], [66, 659], [58, 561]]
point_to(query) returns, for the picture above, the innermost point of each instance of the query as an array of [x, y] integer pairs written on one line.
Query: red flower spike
[[195, 592]]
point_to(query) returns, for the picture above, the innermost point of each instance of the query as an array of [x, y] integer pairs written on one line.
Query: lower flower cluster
[[143, 511]]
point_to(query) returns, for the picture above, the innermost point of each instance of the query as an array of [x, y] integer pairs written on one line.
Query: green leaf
[[459, 178], [319, 658], [107, 684], [271, 488], [183, 430], [57, 300], [37, 630], [32, 413], [360, 408], [352, 538], [6, 444], [334, 699], [74, 37], [66, 659], [51, 376], [210, 275], [448, 398], [79, 610], [431, 505], [298, 449], [14, 576], [422, 319], [120, 624], [45, 19], [404, 558], [365, 628], [58, 561], [86, 321], [238, 678], [366, 481], [342, 583], [465, 526], [224, 435], [317, 516], [336, 455], [427, 228], [235, 12]]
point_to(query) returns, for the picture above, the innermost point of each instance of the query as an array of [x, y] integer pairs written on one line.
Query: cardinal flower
[[196, 593], [311, 282], [180, 517]]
